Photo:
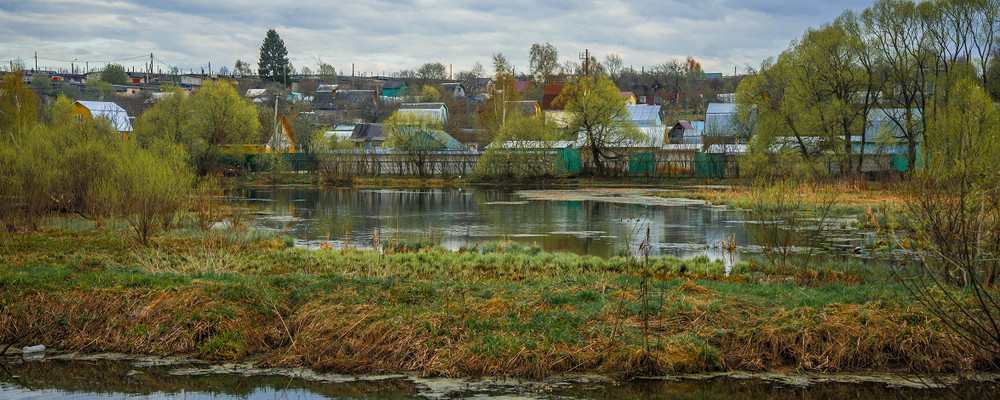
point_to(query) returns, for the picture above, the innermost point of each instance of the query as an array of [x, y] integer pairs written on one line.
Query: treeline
[[929, 71], [909, 64]]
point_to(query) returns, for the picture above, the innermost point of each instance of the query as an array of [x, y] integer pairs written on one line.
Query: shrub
[[152, 188]]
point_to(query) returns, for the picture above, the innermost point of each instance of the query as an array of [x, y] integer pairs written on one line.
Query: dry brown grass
[[366, 339], [526, 322]]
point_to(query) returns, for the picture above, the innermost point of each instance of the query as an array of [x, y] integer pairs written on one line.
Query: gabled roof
[[368, 133], [449, 143], [355, 98], [523, 85], [454, 88], [552, 91], [436, 111], [393, 85], [684, 124], [433, 139], [323, 101], [109, 111]]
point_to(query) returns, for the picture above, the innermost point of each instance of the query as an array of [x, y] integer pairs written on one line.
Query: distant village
[[682, 118]]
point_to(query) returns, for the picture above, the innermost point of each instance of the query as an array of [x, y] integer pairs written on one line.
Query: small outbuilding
[[393, 88], [112, 112]]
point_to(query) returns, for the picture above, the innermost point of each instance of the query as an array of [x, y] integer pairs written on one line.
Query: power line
[[93, 61]]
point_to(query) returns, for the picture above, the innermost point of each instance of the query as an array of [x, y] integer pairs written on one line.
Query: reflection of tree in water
[[104, 378], [459, 217], [726, 389]]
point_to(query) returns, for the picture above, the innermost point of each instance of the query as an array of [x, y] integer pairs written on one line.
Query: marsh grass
[[499, 309], [850, 198]]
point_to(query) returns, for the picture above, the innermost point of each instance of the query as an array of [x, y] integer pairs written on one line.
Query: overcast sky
[[390, 36]]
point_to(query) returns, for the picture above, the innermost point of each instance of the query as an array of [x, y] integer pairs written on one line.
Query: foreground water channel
[[597, 222], [113, 377]]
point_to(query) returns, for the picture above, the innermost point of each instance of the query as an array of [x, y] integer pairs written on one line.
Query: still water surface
[[86, 380], [457, 217]]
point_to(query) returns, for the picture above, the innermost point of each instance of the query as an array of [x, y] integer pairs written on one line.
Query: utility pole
[[586, 61], [209, 68], [36, 62]]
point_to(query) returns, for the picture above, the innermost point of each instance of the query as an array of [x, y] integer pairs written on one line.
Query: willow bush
[[58, 164]]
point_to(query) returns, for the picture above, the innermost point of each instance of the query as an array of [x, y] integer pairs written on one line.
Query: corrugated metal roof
[[368, 132], [720, 108], [109, 111], [356, 98], [323, 100]]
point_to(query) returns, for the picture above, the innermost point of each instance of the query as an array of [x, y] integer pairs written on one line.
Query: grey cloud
[[403, 34]]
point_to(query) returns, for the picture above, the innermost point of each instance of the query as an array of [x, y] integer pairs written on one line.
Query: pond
[[557, 221], [119, 378]]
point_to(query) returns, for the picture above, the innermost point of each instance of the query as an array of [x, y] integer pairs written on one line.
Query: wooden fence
[[649, 164]]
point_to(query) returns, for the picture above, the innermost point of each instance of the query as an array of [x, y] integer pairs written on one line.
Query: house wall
[[82, 112]]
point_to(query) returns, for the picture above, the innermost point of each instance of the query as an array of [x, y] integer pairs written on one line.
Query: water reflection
[[120, 379], [123, 379], [456, 217]]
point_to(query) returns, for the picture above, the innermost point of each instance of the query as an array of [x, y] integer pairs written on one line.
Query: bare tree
[[613, 65]]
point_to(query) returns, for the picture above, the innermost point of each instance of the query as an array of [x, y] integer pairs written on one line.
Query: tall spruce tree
[[273, 63]]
